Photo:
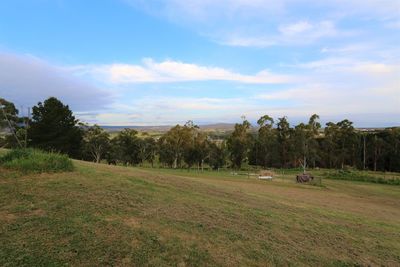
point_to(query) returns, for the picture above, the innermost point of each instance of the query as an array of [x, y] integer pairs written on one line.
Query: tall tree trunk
[[364, 154], [375, 158]]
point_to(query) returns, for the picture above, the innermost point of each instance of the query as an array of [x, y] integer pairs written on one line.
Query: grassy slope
[[106, 215]]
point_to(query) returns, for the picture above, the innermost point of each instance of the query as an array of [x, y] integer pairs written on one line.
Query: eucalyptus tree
[[265, 145], [347, 141], [330, 150], [305, 146], [299, 140], [166, 154], [196, 148], [392, 149], [97, 142], [150, 150], [217, 155], [341, 144], [9, 124], [283, 136], [239, 143], [127, 147], [201, 148], [313, 146], [8, 114], [175, 142], [377, 145]]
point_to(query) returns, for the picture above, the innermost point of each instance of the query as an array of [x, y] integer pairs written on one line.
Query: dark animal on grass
[[304, 178]]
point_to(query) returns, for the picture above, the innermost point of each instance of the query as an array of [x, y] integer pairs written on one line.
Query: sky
[[163, 62]]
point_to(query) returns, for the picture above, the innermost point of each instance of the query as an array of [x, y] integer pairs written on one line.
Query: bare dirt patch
[[7, 217], [132, 222]]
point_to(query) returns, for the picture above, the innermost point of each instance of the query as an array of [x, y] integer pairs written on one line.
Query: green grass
[[35, 161], [364, 176], [101, 215], [3, 151]]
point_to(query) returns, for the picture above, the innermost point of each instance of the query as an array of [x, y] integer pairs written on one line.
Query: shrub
[[353, 175], [36, 161]]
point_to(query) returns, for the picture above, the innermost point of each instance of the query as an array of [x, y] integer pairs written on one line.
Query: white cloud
[[351, 65], [296, 28], [311, 92], [309, 31], [297, 33], [350, 49], [168, 110], [175, 71], [262, 23], [395, 24]]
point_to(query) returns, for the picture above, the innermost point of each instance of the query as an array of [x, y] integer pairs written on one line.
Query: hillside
[[103, 215]]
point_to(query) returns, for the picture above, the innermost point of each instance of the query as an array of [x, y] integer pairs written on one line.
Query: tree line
[[269, 144]]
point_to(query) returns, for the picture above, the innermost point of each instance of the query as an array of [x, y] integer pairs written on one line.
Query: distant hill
[[217, 127], [222, 127]]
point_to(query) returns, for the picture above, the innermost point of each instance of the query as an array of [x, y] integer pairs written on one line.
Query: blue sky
[[137, 62]]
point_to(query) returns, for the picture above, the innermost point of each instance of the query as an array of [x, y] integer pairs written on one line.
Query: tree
[[239, 143], [377, 144], [175, 142], [127, 147], [347, 143], [341, 144], [151, 150], [9, 120], [284, 132], [304, 141], [314, 128], [97, 142], [147, 149], [54, 128], [392, 149], [167, 155], [330, 144], [265, 144], [201, 148], [217, 155], [8, 114], [300, 145]]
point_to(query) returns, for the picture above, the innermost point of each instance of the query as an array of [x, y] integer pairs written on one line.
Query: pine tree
[[54, 128]]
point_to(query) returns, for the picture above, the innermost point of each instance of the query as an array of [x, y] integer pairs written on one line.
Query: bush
[[353, 175], [36, 161]]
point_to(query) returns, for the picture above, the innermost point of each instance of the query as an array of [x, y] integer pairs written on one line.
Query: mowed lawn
[[103, 215]]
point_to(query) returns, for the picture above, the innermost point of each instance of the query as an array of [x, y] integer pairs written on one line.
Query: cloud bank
[[169, 71], [27, 80]]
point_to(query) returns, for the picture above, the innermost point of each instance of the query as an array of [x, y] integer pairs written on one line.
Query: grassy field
[[101, 215]]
